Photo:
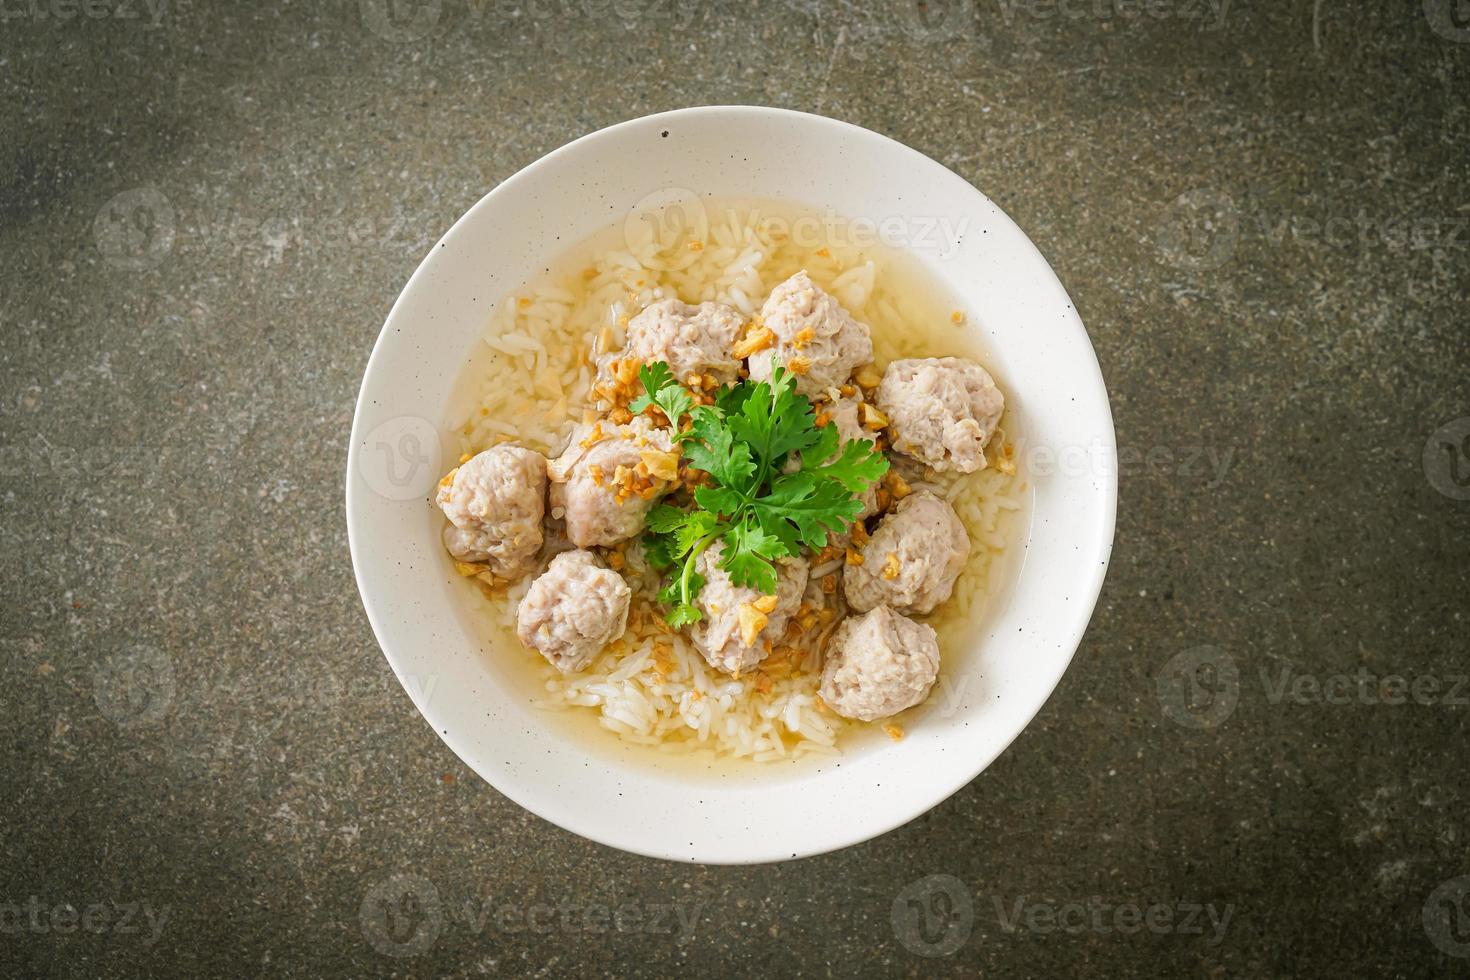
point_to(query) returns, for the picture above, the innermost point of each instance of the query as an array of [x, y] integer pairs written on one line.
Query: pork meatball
[[692, 340], [495, 503], [912, 559], [815, 338], [736, 633], [574, 609], [878, 664], [608, 479], [941, 410]]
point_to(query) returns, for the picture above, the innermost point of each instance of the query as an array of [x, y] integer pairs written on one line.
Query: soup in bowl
[[691, 487]]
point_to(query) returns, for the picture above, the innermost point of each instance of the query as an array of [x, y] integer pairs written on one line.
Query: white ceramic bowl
[[609, 793]]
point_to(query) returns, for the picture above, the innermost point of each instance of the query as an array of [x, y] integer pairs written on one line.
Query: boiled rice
[[544, 339]]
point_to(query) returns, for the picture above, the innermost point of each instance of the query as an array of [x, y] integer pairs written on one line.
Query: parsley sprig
[[758, 510], [663, 391]]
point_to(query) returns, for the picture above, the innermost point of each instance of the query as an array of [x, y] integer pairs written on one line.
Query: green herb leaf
[[857, 467], [700, 524], [664, 519], [774, 420], [731, 398], [820, 451], [748, 553], [814, 506], [760, 512], [663, 390], [679, 595], [719, 500], [656, 550], [683, 614], [716, 451], [655, 377]]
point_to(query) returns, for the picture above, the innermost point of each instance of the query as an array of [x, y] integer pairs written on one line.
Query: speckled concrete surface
[[1261, 211]]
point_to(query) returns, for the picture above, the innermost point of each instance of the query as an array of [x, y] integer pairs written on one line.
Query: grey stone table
[[1257, 764]]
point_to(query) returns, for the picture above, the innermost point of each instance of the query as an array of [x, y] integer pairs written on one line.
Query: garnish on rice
[[761, 512]]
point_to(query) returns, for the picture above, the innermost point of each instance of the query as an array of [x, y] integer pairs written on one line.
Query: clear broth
[[935, 324]]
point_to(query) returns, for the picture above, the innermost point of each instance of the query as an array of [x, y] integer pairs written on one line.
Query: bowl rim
[[840, 837]]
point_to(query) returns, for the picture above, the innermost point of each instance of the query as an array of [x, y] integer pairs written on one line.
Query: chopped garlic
[[752, 621], [756, 340], [898, 486], [663, 465]]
